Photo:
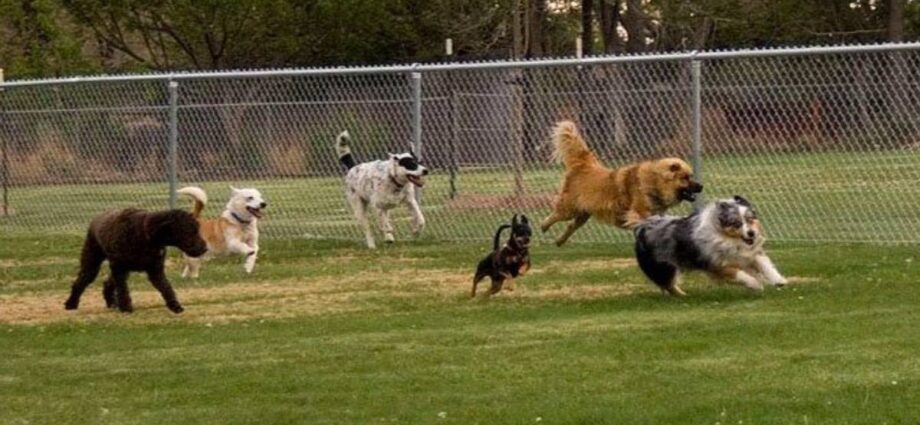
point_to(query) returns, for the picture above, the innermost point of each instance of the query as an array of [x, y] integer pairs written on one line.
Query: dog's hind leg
[[359, 206], [123, 296], [158, 279], [552, 219], [91, 259], [192, 266], [496, 286], [580, 220], [383, 217]]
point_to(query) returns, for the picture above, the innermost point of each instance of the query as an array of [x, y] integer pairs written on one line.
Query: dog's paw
[[176, 308], [127, 309], [71, 305], [781, 282]]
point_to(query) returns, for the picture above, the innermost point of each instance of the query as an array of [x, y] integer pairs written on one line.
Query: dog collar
[[398, 186], [237, 218]]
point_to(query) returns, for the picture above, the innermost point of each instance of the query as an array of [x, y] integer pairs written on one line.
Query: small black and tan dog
[[508, 262], [134, 240]]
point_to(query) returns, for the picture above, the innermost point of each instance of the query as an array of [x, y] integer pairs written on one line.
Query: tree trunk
[[587, 26], [634, 20], [536, 13], [517, 30], [896, 20], [610, 19]]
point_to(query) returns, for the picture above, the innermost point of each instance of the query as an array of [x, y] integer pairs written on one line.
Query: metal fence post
[[454, 136], [417, 122], [697, 144], [5, 148], [173, 160]]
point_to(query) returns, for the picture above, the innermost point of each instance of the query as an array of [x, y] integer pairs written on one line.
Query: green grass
[[840, 196], [326, 332]]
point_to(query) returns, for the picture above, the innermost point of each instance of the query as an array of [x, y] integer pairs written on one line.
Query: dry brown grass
[[367, 291]]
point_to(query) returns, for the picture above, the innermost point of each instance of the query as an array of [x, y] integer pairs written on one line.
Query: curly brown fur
[[509, 262], [622, 197], [134, 240]]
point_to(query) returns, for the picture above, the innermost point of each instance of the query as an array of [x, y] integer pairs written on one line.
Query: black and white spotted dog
[[382, 184], [724, 239]]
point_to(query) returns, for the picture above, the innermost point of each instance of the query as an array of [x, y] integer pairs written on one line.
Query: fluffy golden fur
[[622, 197]]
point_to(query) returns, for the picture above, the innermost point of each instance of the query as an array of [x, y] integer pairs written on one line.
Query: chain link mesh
[[827, 146]]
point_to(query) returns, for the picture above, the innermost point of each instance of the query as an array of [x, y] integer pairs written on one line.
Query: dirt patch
[[587, 265], [325, 295], [484, 201], [44, 261]]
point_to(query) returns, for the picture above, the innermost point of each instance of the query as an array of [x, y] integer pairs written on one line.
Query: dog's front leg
[[383, 217], [158, 278], [766, 267], [741, 277], [237, 246], [418, 219], [251, 259]]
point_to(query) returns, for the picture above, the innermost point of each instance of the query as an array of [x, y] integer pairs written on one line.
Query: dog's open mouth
[[416, 180], [687, 195], [256, 212], [749, 241]]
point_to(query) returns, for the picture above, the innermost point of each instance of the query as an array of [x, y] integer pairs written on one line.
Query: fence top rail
[[476, 65]]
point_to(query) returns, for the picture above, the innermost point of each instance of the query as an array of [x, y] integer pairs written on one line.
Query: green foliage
[[62, 37]]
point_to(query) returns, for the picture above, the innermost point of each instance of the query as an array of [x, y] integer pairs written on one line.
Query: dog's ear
[[514, 220], [741, 201], [675, 167], [524, 219], [233, 191]]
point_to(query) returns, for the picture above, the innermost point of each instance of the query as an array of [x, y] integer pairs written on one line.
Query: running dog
[[236, 231], [724, 239], [622, 197], [509, 262], [383, 184], [134, 240]]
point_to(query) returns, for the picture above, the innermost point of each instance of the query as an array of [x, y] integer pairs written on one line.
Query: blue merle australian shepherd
[[725, 239]]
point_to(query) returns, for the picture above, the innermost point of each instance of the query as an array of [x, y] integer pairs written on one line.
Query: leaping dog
[[382, 184]]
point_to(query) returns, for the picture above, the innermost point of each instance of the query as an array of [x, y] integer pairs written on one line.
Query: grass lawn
[[328, 333]]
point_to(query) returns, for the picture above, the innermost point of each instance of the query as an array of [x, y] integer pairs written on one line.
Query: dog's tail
[[343, 150], [498, 236], [198, 197], [569, 148]]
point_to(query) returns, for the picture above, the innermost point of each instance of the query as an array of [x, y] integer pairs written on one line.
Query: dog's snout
[[696, 187], [424, 171], [751, 234], [263, 205]]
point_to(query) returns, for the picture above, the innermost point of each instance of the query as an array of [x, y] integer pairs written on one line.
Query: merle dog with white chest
[[724, 239], [383, 185]]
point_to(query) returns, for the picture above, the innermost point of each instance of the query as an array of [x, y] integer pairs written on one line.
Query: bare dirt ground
[[323, 295]]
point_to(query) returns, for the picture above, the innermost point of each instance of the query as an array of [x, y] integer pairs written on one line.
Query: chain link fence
[[824, 141]]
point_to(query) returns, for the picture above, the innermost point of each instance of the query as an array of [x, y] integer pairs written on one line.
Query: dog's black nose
[[696, 187], [425, 172], [263, 205], [751, 234]]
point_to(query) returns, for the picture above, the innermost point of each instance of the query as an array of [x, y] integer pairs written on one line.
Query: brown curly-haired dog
[[622, 197], [134, 240]]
